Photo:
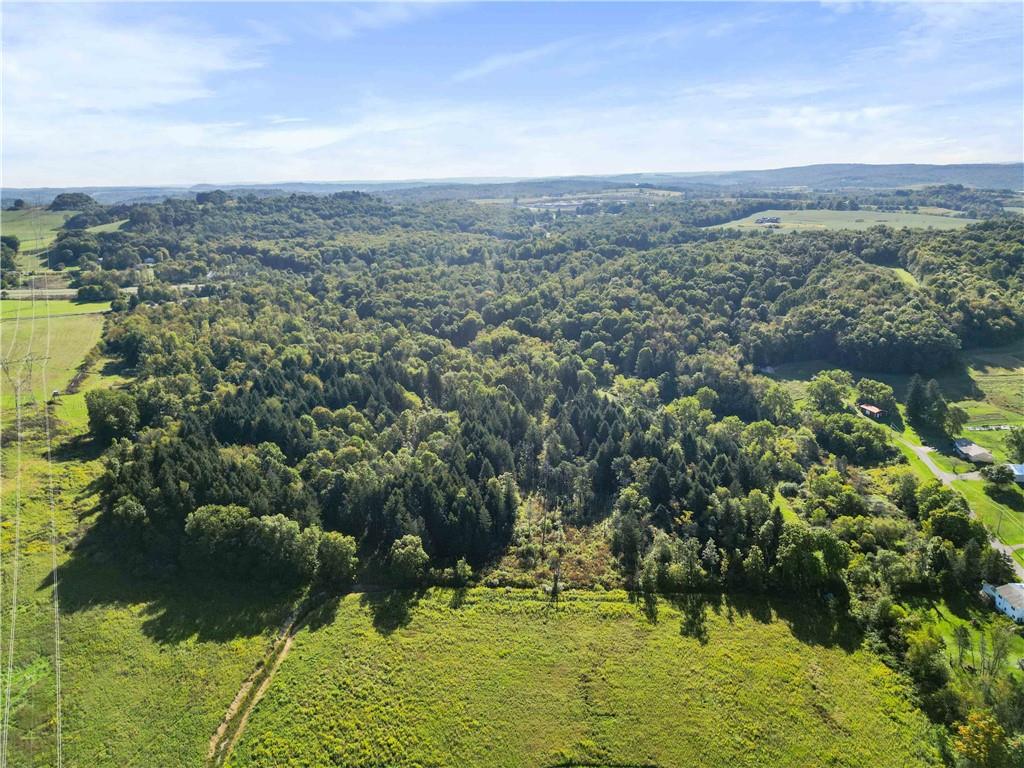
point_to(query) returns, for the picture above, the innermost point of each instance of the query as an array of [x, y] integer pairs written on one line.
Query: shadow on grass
[[77, 448], [391, 609], [173, 609], [810, 621], [1008, 495]]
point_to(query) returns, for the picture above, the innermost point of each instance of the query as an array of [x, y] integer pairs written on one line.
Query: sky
[[184, 93]]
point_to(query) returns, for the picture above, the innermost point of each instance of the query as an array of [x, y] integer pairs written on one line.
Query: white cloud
[[102, 99], [502, 61], [347, 23], [61, 60]]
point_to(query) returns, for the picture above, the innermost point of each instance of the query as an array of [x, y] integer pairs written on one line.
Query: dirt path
[[232, 725]]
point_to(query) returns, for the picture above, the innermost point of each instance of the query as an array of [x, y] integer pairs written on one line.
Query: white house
[[971, 451], [1018, 473], [1008, 598]]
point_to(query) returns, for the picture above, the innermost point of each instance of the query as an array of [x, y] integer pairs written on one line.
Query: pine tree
[[935, 406], [915, 399]]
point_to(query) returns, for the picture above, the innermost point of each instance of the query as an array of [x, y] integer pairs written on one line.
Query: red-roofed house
[[871, 411]]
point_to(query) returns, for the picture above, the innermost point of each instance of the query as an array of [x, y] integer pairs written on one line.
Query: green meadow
[[823, 219], [11, 309], [62, 340], [511, 678], [147, 669], [36, 228]]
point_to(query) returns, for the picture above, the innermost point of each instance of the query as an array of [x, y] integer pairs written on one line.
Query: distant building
[[871, 411], [1008, 598], [1018, 473], [971, 451], [768, 220]]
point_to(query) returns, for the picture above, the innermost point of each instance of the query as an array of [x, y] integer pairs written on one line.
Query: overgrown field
[[824, 219], [509, 678]]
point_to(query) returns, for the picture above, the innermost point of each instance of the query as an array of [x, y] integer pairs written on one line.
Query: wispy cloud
[[95, 94], [283, 119], [68, 60], [350, 20], [502, 61]]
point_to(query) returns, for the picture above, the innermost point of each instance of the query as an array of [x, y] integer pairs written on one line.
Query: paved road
[[922, 452]]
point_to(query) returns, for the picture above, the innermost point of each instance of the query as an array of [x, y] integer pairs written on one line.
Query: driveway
[[947, 478]]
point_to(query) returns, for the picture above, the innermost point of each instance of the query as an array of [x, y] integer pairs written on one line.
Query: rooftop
[[970, 447], [1017, 469], [1012, 594], [869, 408]]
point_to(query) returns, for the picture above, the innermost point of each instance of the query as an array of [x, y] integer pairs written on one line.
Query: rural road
[[922, 452], [947, 478]]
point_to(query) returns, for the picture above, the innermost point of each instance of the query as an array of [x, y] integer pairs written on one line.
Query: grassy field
[[1005, 520], [817, 219], [945, 615], [26, 334], [905, 277], [13, 309], [147, 669], [509, 678], [112, 226], [34, 227]]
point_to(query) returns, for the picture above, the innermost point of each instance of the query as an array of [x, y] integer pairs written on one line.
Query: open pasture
[[63, 339], [824, 219], [512, 678], [36, 229]]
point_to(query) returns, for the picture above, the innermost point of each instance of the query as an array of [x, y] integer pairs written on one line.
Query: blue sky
[[192, 92]]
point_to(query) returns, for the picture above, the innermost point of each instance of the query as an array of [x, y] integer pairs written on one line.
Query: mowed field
[[24, 308], [34, 227], [818, 219], [64, 337], [510, 678]]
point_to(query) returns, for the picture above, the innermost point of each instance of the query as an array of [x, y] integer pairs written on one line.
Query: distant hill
[[858, 176], [816, 177]]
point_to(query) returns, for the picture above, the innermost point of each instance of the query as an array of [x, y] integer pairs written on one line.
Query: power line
[[53, 548], [18, 386]]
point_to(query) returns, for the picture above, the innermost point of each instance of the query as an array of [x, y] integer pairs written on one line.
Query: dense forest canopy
[[324, 386]]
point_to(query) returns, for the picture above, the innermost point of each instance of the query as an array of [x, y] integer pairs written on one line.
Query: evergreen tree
[[935, 406], [915, 399]]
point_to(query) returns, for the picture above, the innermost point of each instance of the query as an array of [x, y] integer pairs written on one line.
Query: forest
[[328, 390]]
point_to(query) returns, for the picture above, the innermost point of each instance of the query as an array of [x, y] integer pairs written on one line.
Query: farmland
[[27, 331], [864, 219], [34, 227], [509, 678], [25, 309]]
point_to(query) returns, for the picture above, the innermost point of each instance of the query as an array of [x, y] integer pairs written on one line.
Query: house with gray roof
[[1008, 599], [971, 451]]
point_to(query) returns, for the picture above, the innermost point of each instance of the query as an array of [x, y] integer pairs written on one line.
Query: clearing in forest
[[825, 219]]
